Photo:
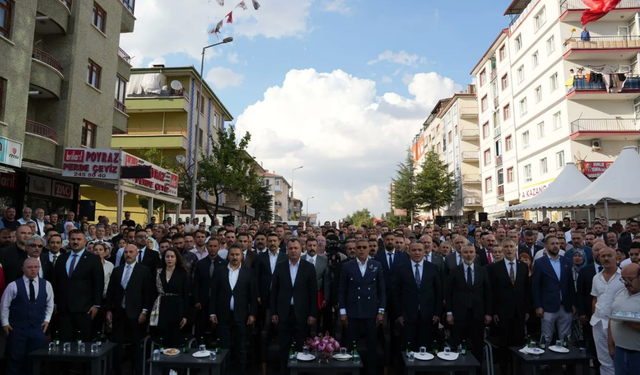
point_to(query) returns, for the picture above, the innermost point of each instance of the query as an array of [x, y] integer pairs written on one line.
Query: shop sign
[[532, 191], [161, 180], [10, 152], [39, 185], [91, 163], [62, 190], [594, 169], [250, 211], [9, 181], [400, 212]]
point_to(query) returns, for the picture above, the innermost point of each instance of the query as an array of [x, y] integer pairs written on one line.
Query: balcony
[[472, 201], [471, 156], [46, 58], [606, 47], [500, 191], [128, 19], [498, 161], [52, 17], [496, 102], [175, 138], [469, 134], [604, 129], [40, 143], [471, 178], [582, 89], [41, 130], [469, 112], [124, 64], [167, 101], [494, 74], [497, 131], [277, 204], [571, 11], [46, 74]]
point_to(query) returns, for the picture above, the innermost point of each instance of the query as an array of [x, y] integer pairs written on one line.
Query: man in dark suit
[[147, 257], [390, 259], [362, 301], [248, 254], [129, 300], [203, 275], [553, 290], [294, 301], [264, 267], [468, 301], [78, 282], [234, 304], [454, 259], [529, 245], [511, 301], [418, 296], [432, 257], [34, 248], [484, 256], [323, 280], [12, 257], [625, 241]]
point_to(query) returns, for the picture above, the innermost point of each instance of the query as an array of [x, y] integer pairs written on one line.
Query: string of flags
[[229, 16]]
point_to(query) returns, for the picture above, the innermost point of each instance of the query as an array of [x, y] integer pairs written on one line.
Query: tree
[[157, 157], [359, 217], [394, 221], [261, 201], [404, 192], [434, 186]]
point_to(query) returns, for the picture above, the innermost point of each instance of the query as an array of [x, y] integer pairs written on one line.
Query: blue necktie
[[418, 275], [125, 280], [390, 261]]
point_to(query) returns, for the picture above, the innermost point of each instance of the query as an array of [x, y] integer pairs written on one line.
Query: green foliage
[[261, 201], [394, 221], [405, 195], [434, 186], [359, 217]]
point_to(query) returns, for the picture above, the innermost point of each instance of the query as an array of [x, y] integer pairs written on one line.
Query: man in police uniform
[[362, 301]]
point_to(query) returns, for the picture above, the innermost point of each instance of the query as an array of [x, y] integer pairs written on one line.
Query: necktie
[[139, 256], [599, 269], [469, 277], [458, 257], [125, 281], [32, 292], [512, 275], [312, 261], [211, 268], [390, 260], [73, 264], [489, 256], [418, 275], [55, 259]]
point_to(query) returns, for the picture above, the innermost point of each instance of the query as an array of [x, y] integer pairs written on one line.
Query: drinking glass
[[81, 347], [94, 348], [156, 355], [343, 351], [447, 350], [583, 352], [52, 347], [202, 348], [212, 355], [559, 344], [66, 347], [305, 351], [410, 356], [423, 350]]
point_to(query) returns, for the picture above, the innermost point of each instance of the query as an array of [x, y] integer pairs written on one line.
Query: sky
[[340, 87]]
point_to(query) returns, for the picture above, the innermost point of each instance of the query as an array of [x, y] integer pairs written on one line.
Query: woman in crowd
[[102, 250]]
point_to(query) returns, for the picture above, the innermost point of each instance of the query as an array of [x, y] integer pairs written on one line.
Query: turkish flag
[[597, 9]]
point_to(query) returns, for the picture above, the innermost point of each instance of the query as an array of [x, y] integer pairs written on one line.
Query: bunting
[[229, 16], [597, 9], [221, 2], [242, 5], [256, 5]]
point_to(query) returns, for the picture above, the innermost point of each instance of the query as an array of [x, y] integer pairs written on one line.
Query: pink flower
[[331, 348], [332, 340], [321, 347]]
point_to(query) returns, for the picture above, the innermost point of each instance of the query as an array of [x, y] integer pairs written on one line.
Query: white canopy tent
[[555, 195]]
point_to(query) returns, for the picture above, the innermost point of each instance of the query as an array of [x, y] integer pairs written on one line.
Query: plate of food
[[559, 349], [451, 356], [171, 351], [342, 357], [202, 354], [423, 356], [306, 357]]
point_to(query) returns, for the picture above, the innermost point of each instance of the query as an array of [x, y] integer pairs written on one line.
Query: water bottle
[[293, 357], [566, 341], [408, 349], [160, 344], [186, 346], [79, 337], [464, 347], [356, 355], [56, 339], [528, 341], [99, 339], [435, 347], [543, 343]]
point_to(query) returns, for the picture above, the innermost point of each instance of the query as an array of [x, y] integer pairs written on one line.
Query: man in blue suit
[[362, 300], [390, 259], [553, 290]]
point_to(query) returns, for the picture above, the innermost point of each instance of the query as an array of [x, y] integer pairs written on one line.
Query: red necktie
[[489, 257]]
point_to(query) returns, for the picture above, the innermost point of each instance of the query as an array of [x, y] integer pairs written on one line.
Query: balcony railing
[[494, 74], [471, 155], [469, 111], [496, 102], [41, 130], [472, 201], [498, 160], [469, 134], [67, 3], [129, 4], [497, 131], [157, 131], [630, 82], [579, 5], [500, 190], [471, 177], [602, 42], [603, 125], [46, 58], [123, 55], [119, 106]]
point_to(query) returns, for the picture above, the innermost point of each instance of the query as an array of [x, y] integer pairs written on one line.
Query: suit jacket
[[547, 289], [460, 298], [47, 267], [11, 258], [413, 302], [245, 295], [323, 277], [250, 259], [138, 295], [583, 300], [389, 274], [509, 300], [362, 296], [481, 257], [624, 242], [303, 289], [83, 289], [262, 268], [451, 262], [202, 282], [524, 249]]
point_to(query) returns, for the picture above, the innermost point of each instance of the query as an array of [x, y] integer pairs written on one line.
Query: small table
[[465, 362], [105, 354], [330, 368], [188, 361], [530, 361]]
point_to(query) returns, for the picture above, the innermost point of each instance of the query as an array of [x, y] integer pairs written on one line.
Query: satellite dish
[[180, 158], [176, 85]]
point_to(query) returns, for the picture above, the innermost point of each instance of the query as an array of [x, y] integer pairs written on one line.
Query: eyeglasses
[[362, 247], [38, 246], [624, 281]]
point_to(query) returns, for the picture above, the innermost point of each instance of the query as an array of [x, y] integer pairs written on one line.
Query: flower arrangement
[[325, 344]]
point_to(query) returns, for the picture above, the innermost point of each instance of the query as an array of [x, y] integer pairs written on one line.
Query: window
[[509, 174], [551, 45], [488, 185], [88, 135], [521, 73], [557, 120], [559, 159], [518, 43], [498, 147], [483, 77], [553, 82], [506, 112], [534, 60], [525, 139], [487, 157], [505, 81], [523, 107], [6, 12], [508, 143], [484, 103], [503, 53], [121, 91], [99, 17], [449, 137], [3, 94], [539, 19], [540, 128], [485, 130], [202, 104], [200, 137], [277, 182], [543, 166], [215, 121], [538, 94], [93, 74], [500, 177], [527, 173]]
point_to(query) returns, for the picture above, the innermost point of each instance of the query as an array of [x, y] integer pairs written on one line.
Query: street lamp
[[308, 206], [300, 167], [194, 173]]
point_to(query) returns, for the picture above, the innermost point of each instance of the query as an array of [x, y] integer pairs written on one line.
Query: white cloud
[[402, 58], [337, 6], [386, 79], [348, 137], [220, 78], [233, 58]]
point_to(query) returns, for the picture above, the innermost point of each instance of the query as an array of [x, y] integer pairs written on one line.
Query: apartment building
[[452, 131], [61, 65], [548, 95], [280, 190]]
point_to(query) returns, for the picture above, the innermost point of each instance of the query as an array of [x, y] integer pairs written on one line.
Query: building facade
[[279, 188], [549, 94]]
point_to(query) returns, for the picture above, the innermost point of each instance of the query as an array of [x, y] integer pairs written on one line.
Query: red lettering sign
[[9, 181], [74, 155], [62, 190]]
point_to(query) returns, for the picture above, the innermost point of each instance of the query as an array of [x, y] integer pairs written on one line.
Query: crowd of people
[[410, 287]]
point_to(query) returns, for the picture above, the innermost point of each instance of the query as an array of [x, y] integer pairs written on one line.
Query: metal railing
[[129, 4], [125, 56], [515, 22], [42, 130], [157, 131], [469, 111], [46, 58], [602, 42], [472, 201], [471, 155], [581, 82], [496, 102], [471, 177], [604, 125], [67, 3], [469, 133], [494, 74], [500, 190], [579, 5], [119, 106], [498, 160]]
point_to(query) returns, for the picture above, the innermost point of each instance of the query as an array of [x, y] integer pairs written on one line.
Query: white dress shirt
[[515, 267], [200, 254], [39, 227], [605, 292], [473, 273], [362, 267], [233, 279], [420, 268], [107, 267], [12, 291], [312, 259], [273, 259]]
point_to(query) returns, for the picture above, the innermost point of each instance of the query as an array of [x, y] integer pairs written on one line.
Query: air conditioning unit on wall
[[596, 145]]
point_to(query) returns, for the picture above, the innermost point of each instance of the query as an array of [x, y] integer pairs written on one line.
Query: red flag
[[221, 2], [230, 17], [242, 5], [597, 9]]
